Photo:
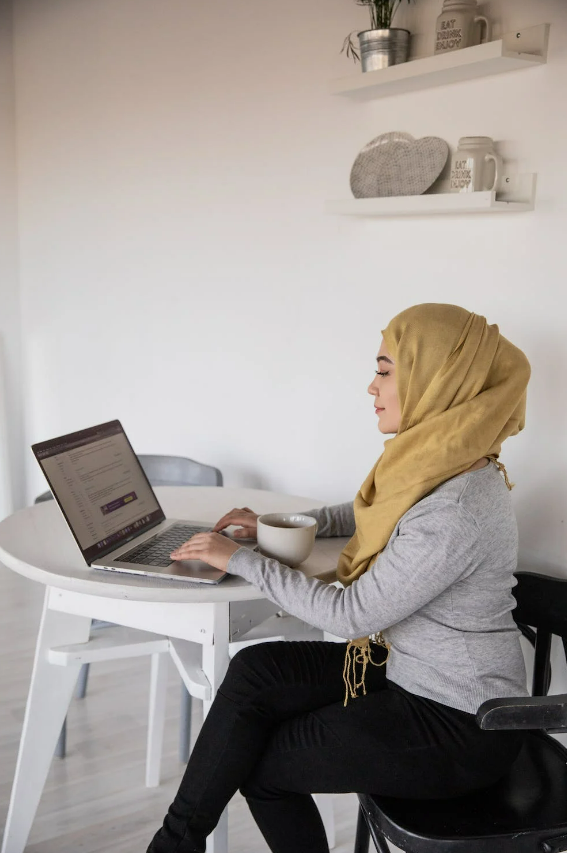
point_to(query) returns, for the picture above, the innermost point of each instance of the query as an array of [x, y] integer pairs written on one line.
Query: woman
[[427, 574]]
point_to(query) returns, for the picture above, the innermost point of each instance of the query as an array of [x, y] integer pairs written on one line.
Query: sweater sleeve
[[337, 520], [434, 547]]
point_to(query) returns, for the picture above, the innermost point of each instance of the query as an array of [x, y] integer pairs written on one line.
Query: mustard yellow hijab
[[462, 391]]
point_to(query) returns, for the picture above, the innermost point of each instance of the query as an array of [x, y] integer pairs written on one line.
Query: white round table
[[193, 623]]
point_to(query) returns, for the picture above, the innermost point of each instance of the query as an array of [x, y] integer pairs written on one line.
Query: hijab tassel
[[502, 469], [359, 652]]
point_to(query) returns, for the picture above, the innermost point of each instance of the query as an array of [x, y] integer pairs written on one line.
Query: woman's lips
[[378, 409]]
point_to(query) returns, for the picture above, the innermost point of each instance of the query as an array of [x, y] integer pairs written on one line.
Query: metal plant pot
[[382, 48]]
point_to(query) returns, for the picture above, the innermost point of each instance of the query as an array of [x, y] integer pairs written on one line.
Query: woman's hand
[[243, 516], [213, 548]]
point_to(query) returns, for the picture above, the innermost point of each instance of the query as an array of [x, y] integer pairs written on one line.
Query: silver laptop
[[112, 510]]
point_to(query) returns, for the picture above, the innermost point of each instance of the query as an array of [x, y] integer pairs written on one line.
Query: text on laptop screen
[[101, 487]]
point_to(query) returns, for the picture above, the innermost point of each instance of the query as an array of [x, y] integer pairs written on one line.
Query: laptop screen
[[100, 486]]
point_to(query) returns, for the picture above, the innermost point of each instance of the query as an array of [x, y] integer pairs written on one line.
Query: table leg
[[156, 720], [49, 695], [324, 803], [215, 665]]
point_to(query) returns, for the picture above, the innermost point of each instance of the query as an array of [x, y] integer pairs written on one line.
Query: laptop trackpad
[[193, 569]]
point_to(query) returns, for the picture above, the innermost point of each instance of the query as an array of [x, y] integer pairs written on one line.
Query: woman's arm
[[431, 551], [337, 520]]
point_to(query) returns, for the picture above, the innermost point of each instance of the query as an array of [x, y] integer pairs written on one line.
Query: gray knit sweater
[[440, 592]]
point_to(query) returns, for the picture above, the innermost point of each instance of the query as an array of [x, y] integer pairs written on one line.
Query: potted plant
[[382, 45]]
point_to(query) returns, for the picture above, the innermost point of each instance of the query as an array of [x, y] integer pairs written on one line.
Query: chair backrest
[[45, 496], [541, 605], [179, 471], [170, 471], [541, 611]]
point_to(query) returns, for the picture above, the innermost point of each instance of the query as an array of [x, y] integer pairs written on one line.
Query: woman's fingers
[[235, 516], [225, 520], [193, 546], [245, 533], [211, 548], [187, 548]]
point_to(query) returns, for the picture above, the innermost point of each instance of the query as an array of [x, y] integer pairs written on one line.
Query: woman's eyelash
[[383, 373]]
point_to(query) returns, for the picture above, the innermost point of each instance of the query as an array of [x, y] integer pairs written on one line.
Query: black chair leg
[[365, 830], [380, 842], [61, 746], [362, 842]]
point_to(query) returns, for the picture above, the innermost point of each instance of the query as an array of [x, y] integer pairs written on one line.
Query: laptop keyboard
[[156, 551]]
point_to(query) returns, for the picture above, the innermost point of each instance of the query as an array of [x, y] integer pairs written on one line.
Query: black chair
[[524, 812]]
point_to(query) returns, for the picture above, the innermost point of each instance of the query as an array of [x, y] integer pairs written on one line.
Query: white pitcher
[[459, 25], [475, 165]]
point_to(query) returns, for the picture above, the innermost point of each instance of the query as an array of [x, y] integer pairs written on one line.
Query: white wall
[[11, 453], [178, 269]]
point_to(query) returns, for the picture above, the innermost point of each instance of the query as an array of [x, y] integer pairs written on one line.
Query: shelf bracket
[[518, 188], [511, 187], [527, 41]]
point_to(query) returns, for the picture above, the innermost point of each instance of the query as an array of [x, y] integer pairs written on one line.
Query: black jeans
[[277, 730]]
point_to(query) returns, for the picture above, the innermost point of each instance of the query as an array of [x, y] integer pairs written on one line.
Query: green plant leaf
[[350, 49], [382, 12]]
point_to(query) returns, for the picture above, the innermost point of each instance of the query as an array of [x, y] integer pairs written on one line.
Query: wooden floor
[[94, 800]]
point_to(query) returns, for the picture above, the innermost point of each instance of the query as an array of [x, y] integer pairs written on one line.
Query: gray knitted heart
[[397, 164]]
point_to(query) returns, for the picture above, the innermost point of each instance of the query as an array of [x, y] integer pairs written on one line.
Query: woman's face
[[383, 389]]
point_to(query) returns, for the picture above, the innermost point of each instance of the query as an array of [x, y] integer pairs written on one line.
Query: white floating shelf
[[519, 198], [523, 48]]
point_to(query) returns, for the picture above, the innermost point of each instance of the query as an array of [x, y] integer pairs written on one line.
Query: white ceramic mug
[[475, 165], [287, 537], [460, 26]]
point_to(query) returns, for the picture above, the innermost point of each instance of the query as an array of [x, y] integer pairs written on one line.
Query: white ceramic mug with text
[[459, 25], [287, 537], [475, 165]]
